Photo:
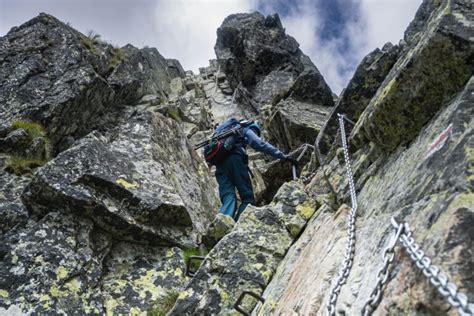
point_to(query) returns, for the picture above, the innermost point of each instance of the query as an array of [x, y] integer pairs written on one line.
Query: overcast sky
[[336, 34]]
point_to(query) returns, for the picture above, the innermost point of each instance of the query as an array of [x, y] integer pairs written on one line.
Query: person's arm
[[260, 145]]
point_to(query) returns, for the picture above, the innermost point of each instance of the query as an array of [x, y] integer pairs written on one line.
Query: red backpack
[[223, 141]]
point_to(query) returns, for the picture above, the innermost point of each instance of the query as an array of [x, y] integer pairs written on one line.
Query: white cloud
[[380, 21], [387, 20], [187, 28]]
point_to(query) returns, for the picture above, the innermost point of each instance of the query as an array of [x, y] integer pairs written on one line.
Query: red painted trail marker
[[439, 142]]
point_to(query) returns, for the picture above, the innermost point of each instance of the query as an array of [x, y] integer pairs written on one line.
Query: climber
[[233, 171]]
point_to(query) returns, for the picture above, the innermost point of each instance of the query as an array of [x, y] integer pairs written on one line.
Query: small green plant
[[188, 252], [23, 165], [34, 129], [94, 37], [91, 41], [174, 114], [165, 304], [116, 57]]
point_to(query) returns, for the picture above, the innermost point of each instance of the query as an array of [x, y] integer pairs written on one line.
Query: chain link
[[403, 233], [382, 275], [351, 237], [433, 273]]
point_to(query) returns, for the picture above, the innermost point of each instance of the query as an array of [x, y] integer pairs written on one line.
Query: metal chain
[[433, 273], [351, 237], [382, 275], [437, 278], [403, 233]]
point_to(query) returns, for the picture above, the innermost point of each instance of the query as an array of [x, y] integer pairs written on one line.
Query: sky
[[335, 34]]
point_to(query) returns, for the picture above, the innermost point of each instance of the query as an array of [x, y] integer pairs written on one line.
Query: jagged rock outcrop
[[437, 203], [425, 77], [274, 82], [367, 78], [105, 219], [89, 226], [425, 183], [247, 257], [71, 83], [128, 184]]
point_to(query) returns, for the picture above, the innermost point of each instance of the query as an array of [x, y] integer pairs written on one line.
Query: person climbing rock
[[232, 172]]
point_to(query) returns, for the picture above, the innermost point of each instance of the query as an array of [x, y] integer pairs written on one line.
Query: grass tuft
[[35, 130], [165, 304], [174, 114], [23, 165], [116, 57]]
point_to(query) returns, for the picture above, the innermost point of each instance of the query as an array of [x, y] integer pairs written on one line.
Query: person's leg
[[243, 184], [226, 190]]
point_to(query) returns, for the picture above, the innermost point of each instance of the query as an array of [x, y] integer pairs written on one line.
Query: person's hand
[[291, 160]]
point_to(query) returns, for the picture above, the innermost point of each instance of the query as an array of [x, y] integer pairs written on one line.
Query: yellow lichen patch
[[386, 90], [118, 286], [136, 311], [258, 266], [178, 272], [14, 259], [146, 284], [55, 292], [39, 259], [3, 293], [46, 299], [127, 185], [305, 210], [73, 286], [61, 273], [225, 297], [110, 306], [183, 295]]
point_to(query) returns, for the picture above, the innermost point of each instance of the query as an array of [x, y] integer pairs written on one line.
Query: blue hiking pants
[[233, 173]]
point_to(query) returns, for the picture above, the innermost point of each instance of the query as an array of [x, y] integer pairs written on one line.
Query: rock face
[[440, 63], [103, 199], [367, 79], [128, 185], [98, 187], [274, 82], [71, 83], [411, 153], [246, 258]]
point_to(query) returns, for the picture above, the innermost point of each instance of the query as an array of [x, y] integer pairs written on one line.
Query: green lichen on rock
[[408, 101]]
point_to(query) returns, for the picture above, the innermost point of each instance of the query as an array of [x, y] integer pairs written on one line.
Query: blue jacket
[[258, 144]]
